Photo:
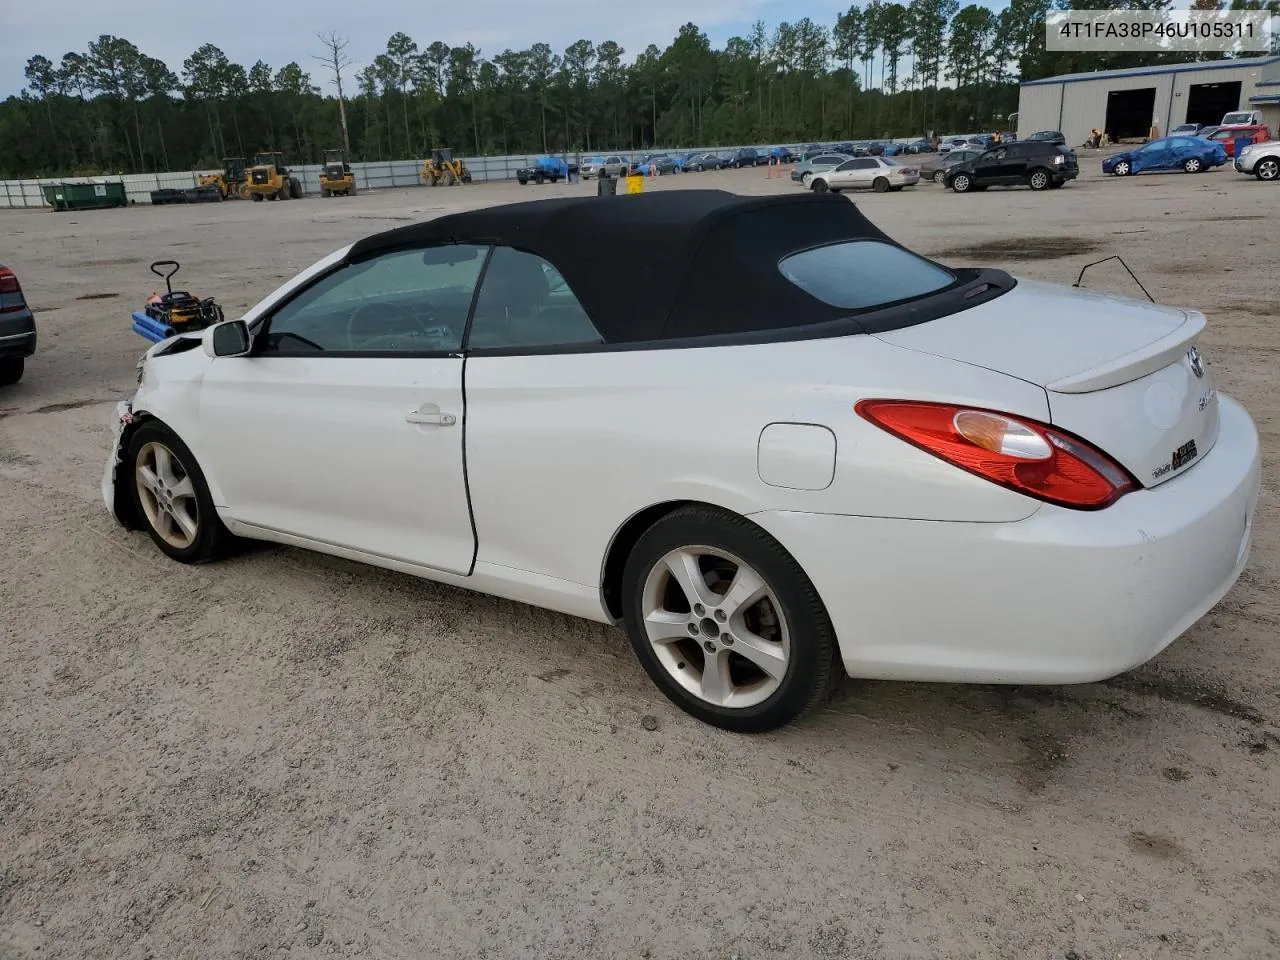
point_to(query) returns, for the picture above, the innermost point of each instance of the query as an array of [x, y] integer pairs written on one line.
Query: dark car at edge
[[17, 328]]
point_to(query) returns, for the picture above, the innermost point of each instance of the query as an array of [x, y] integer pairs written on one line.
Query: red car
[[1227, 136]]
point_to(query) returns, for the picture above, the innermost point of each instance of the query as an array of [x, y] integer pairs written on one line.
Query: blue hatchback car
[[1192, 154]]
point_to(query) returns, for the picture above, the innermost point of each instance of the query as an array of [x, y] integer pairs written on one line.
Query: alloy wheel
[[167, 495], [1268, 169], [716, 626]]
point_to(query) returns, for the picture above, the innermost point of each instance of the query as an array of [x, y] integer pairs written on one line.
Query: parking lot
[[292, 755]]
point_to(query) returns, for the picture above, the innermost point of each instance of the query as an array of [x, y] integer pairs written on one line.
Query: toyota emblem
[[1197, 364]]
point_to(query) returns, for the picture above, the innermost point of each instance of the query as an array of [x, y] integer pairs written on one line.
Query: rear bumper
[[1062, 597], [18, 334]]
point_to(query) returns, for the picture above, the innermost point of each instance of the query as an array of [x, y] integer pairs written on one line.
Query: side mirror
[[227, 339]]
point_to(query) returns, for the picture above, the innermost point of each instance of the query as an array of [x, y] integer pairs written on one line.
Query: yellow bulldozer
[[441, 168], [269, 178], [336, 177], [231, 181]]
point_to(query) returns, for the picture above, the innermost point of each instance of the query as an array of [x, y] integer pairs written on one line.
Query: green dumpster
[[85, 196]]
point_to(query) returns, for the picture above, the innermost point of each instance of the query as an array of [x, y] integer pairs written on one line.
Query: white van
[[1237, 117]]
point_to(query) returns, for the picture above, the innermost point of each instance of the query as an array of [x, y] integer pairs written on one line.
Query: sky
[[171, 31]]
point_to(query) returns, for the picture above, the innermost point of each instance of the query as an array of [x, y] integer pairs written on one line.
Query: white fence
[[369, 176]]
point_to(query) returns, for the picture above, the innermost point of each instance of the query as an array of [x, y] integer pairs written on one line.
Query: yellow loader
[[269, 178], [441, 168], [231, 181], [337, 178]]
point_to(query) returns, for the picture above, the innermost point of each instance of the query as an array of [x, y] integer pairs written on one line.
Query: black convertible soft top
[[672, 264]]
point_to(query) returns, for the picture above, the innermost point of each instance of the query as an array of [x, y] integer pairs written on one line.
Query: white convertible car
[[761, 434]]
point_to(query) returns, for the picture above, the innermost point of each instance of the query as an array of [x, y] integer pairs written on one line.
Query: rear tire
[[880, 185], [696, 661], [1192, 165], [11, 370], [940, 176], [165, 482]]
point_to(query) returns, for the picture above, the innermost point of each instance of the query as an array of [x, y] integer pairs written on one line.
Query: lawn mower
[[176, 311]]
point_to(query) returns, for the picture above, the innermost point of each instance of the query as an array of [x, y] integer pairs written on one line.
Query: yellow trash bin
[[635, 183]]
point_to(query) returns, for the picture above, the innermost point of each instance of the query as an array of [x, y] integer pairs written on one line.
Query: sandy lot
[[288, 755]]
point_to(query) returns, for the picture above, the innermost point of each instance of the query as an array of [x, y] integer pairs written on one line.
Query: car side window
[[864, 163], [994, 156], [525, 302], [405, 301]]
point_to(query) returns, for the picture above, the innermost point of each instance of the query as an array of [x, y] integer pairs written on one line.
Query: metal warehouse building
[[1128, 103]]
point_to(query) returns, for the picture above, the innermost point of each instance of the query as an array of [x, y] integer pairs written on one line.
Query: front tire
[[961, 183], [725, 622], [1038, 180], [1122, 169], [172, 498], [819, 186], [1268, 168]]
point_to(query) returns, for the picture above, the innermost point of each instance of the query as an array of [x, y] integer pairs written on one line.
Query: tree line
[[883, 68]]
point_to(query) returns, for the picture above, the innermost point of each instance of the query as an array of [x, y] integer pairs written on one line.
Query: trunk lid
[[1123, 374]]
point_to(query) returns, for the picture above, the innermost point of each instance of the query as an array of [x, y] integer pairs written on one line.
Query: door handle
[[434, 418]]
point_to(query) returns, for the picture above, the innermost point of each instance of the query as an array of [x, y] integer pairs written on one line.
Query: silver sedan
[[1260, 159], [880, 174]]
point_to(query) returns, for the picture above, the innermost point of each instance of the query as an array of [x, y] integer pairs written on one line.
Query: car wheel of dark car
[[961, 182], [881, 185], [11, 370], [1192, 165], [1122, 169], [725, 622], [1268, 168], [940, 176], [1038, 180]]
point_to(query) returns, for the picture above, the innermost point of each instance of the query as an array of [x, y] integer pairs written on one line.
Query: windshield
[[857, 274]]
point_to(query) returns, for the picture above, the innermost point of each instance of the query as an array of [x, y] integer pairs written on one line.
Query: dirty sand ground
[[291, 755]]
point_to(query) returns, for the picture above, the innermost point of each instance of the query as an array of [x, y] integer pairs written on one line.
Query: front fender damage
[[115, 493]]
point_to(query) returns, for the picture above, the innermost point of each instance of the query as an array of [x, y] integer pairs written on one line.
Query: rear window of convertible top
[[862, 274]]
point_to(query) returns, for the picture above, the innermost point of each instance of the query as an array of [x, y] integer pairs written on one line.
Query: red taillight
[[1023, 455], [11, 298]]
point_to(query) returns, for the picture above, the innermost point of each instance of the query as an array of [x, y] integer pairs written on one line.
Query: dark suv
[[17, 328], [1036, 163]]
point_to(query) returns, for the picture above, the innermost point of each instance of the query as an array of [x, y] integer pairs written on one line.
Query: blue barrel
[[1240, 143], [150, 328]]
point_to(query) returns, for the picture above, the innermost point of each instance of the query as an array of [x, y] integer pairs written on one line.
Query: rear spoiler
[[1137, 363]]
